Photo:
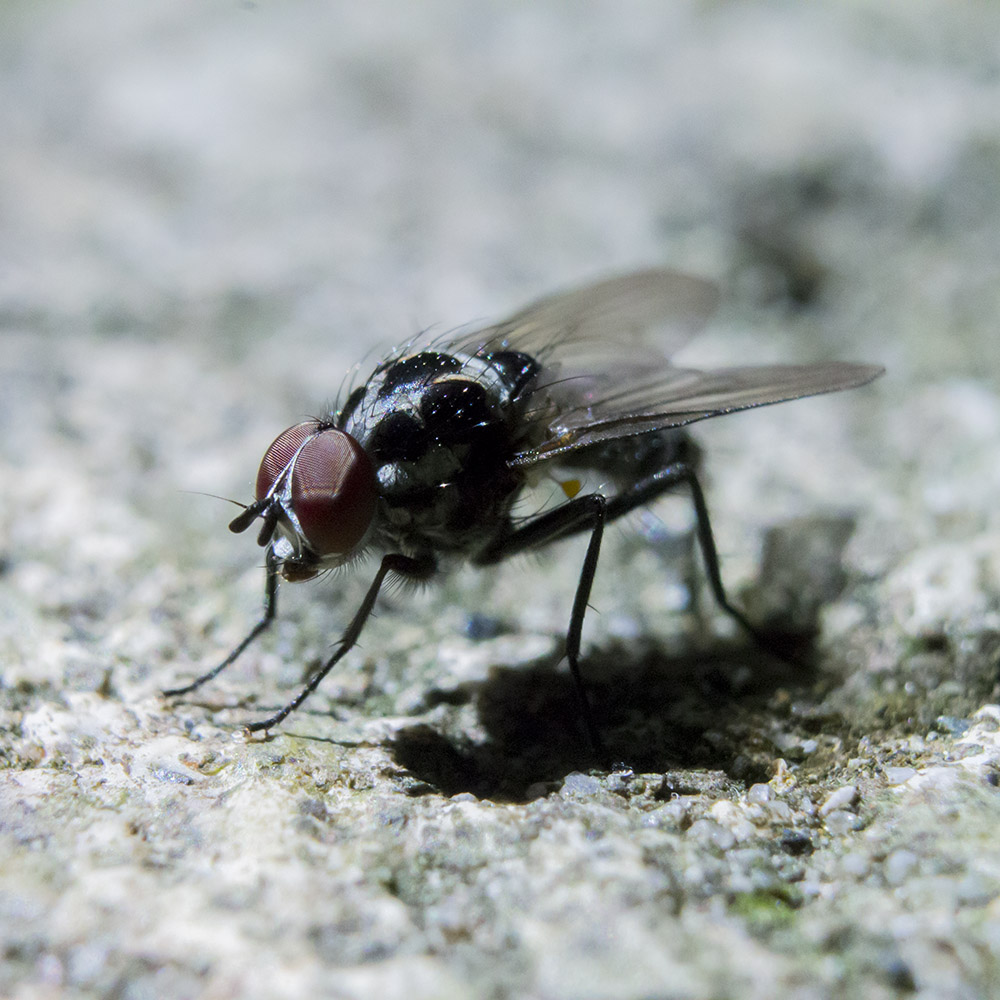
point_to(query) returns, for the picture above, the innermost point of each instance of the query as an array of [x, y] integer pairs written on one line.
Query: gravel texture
[[210, 212]]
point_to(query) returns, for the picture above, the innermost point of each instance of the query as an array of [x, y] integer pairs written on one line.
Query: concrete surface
[[209, 213]]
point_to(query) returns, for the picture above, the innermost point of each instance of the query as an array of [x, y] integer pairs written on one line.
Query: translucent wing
[[603, 324], [601, 380], [580, 411]]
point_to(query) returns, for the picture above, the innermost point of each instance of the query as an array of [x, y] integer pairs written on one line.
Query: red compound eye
[[279, 453], [333, 492]]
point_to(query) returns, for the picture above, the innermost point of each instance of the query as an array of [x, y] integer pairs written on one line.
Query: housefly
[[424, 462]]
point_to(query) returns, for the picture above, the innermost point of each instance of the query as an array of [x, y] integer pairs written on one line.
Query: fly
[[423, 463]]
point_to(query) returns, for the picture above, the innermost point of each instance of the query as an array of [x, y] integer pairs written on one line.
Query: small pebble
[[973, 891], [842, 798], [856, 864], [580, 784], [779, 812], [619, 781], [841, 822], [898, 866], [952, 725], [672, 815], [711, 833]]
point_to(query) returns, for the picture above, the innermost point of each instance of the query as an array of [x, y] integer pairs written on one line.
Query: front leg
[[267, 616], [404, 566]]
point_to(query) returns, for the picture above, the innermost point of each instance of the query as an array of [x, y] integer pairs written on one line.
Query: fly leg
[[580, 514], [647, 490], [270, 610], [678, 472], [591, 513], [411, 569]]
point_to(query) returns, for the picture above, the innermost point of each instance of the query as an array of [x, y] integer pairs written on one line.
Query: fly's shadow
[[656, 713]]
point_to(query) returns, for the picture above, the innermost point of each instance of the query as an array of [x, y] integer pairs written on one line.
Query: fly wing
[[602, 325], [602, 380], [579, 411]]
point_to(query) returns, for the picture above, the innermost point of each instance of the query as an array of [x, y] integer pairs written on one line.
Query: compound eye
[[333, 492], [279, 453]]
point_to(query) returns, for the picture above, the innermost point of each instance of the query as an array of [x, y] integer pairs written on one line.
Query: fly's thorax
[[439, 429], [430, 418]]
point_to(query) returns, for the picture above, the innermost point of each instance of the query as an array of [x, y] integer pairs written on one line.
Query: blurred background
[[210, 212]]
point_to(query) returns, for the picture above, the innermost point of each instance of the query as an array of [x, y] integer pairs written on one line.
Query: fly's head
[[316, 494]]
